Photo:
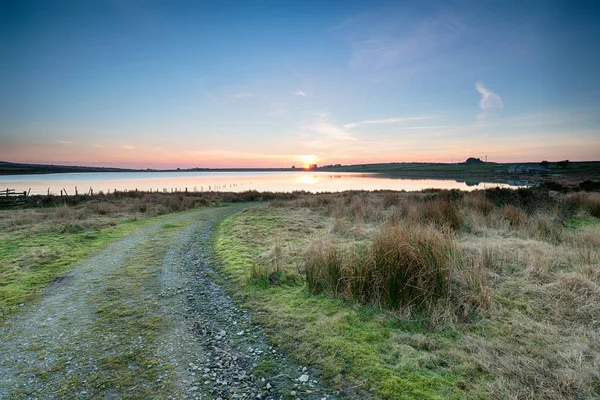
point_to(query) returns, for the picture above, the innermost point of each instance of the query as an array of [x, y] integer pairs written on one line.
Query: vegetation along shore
[[434, 294]]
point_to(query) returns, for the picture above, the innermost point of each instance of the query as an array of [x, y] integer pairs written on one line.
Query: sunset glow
[[179, 85], [308, 160]]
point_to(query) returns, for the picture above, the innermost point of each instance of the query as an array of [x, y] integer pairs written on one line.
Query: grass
[[32, 259], [43, 243], [127, 312], [514, 315], [345, 342], [404, 266], [126, 327]]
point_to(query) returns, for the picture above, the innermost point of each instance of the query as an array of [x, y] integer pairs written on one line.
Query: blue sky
[[248, 83]]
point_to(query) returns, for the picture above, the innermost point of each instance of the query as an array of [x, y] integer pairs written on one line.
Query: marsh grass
[[401, 268], [47, 239], [495, 290]]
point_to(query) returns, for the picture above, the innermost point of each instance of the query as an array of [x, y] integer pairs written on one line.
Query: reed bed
[[410, 257]]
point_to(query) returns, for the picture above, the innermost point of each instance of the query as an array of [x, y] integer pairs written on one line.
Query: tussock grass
[[47, 239], [497, 291], [588, 202], [403, 267]]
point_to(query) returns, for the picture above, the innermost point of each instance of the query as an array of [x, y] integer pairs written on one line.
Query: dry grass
[[403, 267], [85, 212], [588, 202], [520, 279], [498, 288]]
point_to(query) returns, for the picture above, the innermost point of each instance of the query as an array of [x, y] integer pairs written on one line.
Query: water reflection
[[228, 181]]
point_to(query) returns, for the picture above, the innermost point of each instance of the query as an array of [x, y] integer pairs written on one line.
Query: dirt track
[[146, 317]]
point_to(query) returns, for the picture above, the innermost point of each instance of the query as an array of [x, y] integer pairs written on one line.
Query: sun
[[308, 160]]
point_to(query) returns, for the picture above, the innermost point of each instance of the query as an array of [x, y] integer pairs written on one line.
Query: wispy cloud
[[439, 126], [65, 142], [209, 96], [490, 102], [393, 120], [241, 95], [276, 109], [327, 130], [383, 42], [299, 93]]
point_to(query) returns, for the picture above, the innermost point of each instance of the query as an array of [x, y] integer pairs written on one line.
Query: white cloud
[[386, 121], [490, 102], [241, 95], [328, 130], [299, 93], [209, 96], [394, 40]]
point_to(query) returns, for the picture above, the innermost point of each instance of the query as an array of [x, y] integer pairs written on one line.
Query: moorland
[[434, 294]]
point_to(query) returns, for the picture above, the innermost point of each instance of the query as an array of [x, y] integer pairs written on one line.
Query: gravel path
[[206, 348]]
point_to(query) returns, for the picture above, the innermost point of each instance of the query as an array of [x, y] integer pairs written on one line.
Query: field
[[573, 174], [44, 240], [490, 294], [391, 295]]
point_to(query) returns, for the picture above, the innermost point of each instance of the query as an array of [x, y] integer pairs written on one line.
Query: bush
[[515, 216], [324, 269], [478, 201], [589, 202], [405, 266], [390, 199], [441, 212]]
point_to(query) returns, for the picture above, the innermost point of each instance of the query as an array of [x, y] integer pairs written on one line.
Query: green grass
[[577, 223], [29, 261], [125, 310], [522, 320], [32, 257], [350, 344]]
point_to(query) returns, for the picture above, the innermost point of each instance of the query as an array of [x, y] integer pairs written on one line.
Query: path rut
[[203, 345]]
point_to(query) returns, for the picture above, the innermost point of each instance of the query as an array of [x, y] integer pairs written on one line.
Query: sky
[[165, 84]]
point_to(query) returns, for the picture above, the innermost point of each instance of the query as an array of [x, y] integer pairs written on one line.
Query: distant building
[[524, 169]]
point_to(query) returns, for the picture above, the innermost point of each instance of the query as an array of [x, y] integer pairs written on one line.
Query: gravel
[[211, 345]]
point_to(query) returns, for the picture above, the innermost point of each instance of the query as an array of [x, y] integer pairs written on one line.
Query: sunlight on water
[[226, 182]]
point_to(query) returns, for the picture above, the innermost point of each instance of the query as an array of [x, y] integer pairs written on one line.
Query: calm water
[[224, 181]]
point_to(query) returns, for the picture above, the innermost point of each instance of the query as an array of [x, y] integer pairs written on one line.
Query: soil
[[206, 348]]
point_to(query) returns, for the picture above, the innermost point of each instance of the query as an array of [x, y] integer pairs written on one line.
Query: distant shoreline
[[574, 173]]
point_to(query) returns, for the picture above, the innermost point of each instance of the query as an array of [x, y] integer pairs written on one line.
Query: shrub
[[441, 212], [588, 202], [324, 268], [478, 201], [405, 266], [408, 266], [390, 199], [514, 215], [548, 229]]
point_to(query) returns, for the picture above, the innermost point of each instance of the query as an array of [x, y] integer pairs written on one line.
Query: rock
[[303, 378]]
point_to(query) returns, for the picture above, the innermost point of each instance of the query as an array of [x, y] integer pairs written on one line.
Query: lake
[[286, 181]]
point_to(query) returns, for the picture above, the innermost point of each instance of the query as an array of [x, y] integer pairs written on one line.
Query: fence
[[10, 196]]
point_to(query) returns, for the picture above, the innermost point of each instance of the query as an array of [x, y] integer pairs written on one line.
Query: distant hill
[[473, 160], [9, 168]]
